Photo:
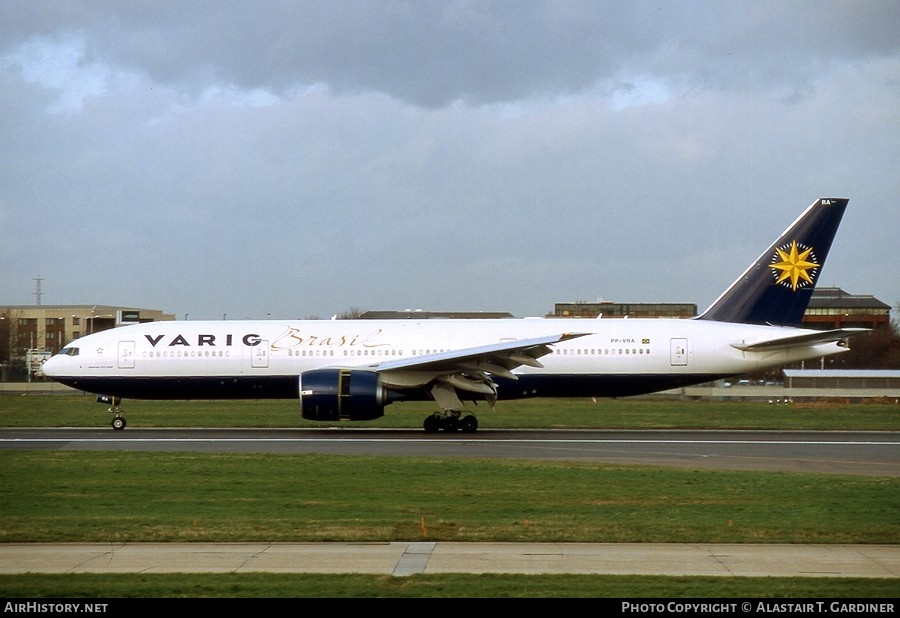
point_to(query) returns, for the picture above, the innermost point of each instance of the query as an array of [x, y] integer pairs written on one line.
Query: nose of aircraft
[[52, 365]]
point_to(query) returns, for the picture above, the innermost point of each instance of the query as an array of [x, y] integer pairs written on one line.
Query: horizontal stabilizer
[[805, 339]]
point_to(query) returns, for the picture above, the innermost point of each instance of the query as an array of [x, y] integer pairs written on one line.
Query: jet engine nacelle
[[341, 394]]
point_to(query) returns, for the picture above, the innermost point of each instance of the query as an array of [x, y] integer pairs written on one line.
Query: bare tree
[[353, 313]]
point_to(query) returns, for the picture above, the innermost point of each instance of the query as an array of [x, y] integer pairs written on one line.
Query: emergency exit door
[[678, 352], [259, 355], [126, 355]]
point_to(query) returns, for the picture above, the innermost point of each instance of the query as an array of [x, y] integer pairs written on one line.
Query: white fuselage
[[615, 356]]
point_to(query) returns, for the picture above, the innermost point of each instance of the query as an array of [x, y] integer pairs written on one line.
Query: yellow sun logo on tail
[[794, 265]]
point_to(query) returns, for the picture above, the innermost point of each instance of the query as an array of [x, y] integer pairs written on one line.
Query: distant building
[[47, 328], [829, 308], [433, 315], [609, 309], [834, 308], [842, 378]]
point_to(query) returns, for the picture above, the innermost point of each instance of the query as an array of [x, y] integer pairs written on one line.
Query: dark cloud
[[433, 53]]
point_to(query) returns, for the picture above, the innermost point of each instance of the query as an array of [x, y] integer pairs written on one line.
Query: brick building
[[47, 328]]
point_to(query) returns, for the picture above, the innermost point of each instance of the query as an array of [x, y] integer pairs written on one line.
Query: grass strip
[[59, 496]]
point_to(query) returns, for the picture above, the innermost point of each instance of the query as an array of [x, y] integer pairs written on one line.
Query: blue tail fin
[[776, 288]]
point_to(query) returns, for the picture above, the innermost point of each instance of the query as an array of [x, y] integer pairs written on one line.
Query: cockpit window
[[69, 351]]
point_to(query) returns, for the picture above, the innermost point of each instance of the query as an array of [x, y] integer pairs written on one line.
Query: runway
[[870, 453]]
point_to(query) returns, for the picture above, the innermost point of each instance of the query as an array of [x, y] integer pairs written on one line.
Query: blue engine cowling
[[341, 394]]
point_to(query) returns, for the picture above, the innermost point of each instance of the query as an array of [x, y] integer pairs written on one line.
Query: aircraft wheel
[[469, 424], [432, 424], [451, 423], [118, 423]]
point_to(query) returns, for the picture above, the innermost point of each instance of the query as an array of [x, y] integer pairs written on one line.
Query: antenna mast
[[37, 289]]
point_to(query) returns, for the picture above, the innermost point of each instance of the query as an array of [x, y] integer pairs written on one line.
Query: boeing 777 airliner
[[352, 369]]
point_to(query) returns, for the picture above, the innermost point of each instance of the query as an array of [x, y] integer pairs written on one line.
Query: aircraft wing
[[803, 339], [467, 369]]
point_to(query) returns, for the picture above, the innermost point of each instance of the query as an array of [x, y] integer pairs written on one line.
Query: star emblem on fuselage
[[794, 265]]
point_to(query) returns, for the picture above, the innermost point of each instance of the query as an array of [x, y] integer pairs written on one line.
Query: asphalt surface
[[870, 453]]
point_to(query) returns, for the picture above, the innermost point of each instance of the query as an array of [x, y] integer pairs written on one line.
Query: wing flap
[[530, 361], [491, 368]]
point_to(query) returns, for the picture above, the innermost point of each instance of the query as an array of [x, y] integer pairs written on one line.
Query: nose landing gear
[[118, 421]]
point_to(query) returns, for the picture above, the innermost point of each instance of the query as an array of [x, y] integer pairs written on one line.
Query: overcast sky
[[301, 159]]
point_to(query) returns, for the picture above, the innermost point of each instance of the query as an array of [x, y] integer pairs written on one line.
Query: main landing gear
[[450, 421], [118, 421]]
